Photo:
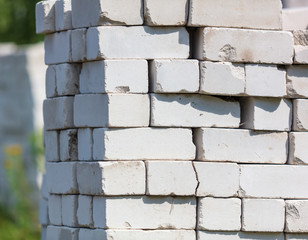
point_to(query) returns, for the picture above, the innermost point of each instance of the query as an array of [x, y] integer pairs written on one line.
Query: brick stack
[[173, 120]]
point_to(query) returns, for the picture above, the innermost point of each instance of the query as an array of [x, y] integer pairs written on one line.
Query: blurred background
[[22, 90]]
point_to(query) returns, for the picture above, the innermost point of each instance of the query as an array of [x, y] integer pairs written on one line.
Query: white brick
[[61, 233], [114, 76], [297, 81], [102, 110], [58, 47], [63, 11], [301, 54], [137, 42], [166, 144], [68, 145], [84, 144], [296, 216], [44, 188], [219, 214], [173, 76], [107, 12], [179, 178], [217, 179], [268, 181], [263, 215], [55, 209], [62, 178], [298, 145], [151, 235], [43, 212], [300, 115], [85, 211], [266, 113], [239, 45], [45, 16], [187, 110], [166, 13], [69, 210], [294, 18], [202, 235], [296, 236], [111, 178], [244, 146], [265, 80], [89, 234], [58, 113], [67, 77], [144, 212], [43, 233], [78, 41], [300, 37], [222, 78], [260, 14], [51, 146], [51, 83]]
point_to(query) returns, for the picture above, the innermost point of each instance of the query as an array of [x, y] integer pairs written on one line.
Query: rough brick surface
[[166, 13], [217, 179], [174, 76], [235, 145], [107, 12], [238, 45], [242, 14], [297, 81], [111, 178], [45, 16], [296, 216], [51, 141], [68, 145], [59, 233], [218, 214], [114, 76], [78, 41], [58, 47], [166, 144], [300, 115], [102, 110], [179, 178], [63, 11], [265, 80], [84, 144], [203, 235], [301, 54], [193, 111], [62, 178], [58, 113], [266, 114], [137, 42], [268, 181], [222, 78], [55, 209], [144, 212], [298, 145], [69, 210], [263, 215], [85, 211]]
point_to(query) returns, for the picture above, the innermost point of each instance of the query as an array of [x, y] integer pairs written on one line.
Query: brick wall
[[174, 120]]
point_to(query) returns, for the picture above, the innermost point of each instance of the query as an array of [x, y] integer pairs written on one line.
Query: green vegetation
[[20, 221], [17, 21]]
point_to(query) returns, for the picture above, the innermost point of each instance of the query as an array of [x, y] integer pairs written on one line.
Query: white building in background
[[22, 90]]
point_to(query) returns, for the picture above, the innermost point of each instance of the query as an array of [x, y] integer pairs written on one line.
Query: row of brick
[[143, 42], [170, 110], [177, 76], [58, 233], [212, 144], [209, 214], [180, 178], [62, 15]]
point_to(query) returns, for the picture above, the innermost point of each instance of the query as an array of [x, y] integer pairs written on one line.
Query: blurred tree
[[17, 21]]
